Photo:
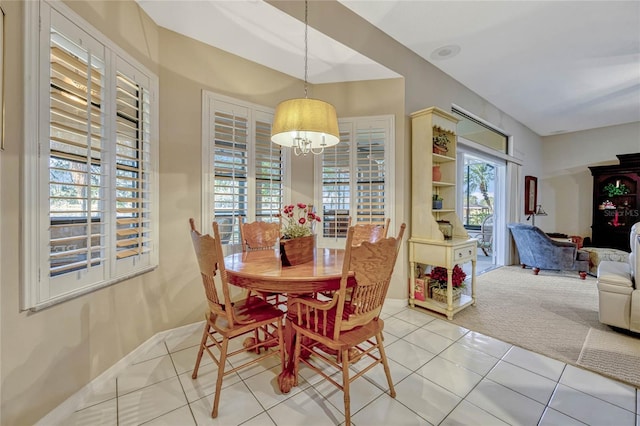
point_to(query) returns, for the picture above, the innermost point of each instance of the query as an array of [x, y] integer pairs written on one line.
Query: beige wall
[[566, 184], [48, 355]]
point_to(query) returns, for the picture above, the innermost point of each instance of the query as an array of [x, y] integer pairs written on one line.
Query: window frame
[[350, 126], [254, 112], [37, 280]]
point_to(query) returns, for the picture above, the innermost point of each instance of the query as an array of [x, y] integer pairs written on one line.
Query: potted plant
[[617, 189], [438, 283], [440, 143], [437, 202], [297, 241]]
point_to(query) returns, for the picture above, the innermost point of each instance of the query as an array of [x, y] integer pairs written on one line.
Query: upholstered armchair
[[618, 292], [538, 251]]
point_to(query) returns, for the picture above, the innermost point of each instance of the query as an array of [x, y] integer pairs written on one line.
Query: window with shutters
[[246, 173], [355, 177], [89, 161]]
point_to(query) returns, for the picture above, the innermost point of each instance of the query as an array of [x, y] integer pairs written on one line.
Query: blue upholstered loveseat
[[538, 251]]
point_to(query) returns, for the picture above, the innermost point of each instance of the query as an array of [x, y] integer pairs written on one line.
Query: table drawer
[[463, 254]]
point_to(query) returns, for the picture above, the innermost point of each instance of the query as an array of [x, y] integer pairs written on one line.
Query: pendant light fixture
[[306, 125]]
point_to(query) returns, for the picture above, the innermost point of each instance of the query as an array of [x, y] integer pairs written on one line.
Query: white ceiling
[[556, 66]]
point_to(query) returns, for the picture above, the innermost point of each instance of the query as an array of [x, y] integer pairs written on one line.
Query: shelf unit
[[614, 215], [427, 244]]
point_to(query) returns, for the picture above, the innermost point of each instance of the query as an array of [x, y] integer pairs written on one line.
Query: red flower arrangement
[[298, 220], [439, 274]]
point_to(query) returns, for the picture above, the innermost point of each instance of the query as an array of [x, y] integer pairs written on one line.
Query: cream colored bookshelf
[[427, 244]]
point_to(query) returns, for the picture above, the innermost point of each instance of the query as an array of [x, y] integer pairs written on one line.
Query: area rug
[[551, 313], [615, 355]]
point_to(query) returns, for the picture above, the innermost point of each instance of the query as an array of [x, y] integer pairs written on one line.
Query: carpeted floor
[[552, 313]]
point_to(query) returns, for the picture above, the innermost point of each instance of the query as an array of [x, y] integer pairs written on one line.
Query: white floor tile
[[523, 381], [589, 409], [182, 416], [146, 373], [552, 417], [539, 364], [184, 340], [104, 413], [450, 376], [264, 387], [427, 399], [386, 411], [184, 360], [414, 317], [398, 327], [506, 404], [408, 355], [376, 374], [468, 414], [486, 344], [390, 310], [260, 420], [260, 367], [307, 408], [236, 405], [446, 329], [150, 402], [159, 349], [361, 393], [601, 387], [428, 340], [469, 358], [205, 384], [105, 392]]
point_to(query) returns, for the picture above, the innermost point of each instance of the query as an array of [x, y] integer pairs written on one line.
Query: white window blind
[[88, 161], [246, 171], [356, 177]]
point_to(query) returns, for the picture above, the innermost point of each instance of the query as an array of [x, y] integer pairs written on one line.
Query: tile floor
[[443, 375]]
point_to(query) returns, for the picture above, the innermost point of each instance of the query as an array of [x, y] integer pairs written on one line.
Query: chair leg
[[221, 365], [583, 275], [203, 342], [281, 346], [345, 387], [535, 271], [385, 364]]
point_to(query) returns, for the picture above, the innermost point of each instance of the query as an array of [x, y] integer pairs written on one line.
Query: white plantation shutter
[[230, 134], [370, 172], [269, 172], [89, 159], [245, 173], [133, 173], [355, 176], [335, 176], [76, 157]]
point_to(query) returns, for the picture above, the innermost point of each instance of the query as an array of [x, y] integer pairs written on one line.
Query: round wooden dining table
[[262, 271]]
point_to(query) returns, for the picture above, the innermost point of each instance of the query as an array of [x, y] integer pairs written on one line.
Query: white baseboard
[[62, 412]]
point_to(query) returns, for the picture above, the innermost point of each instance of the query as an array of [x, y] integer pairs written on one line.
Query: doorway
[[482, 198]]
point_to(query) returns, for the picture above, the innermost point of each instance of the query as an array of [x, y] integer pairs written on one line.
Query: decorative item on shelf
[[438, 283], [437, 202], [298, 241], [440, 143], [616, 189], [419, 286], [446, 228], [436, 173], [607, 205], [306, 125]]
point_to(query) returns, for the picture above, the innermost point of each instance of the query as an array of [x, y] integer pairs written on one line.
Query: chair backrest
[[372, 265], [486, 228], [634, 257], [370, 232], [211, 262], [258, 235]]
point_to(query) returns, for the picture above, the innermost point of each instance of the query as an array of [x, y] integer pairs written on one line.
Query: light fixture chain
[[306, 45]]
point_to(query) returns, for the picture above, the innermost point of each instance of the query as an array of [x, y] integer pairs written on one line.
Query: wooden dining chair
[[371, 232], [349, 324], [261, 236], [227, 320]]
